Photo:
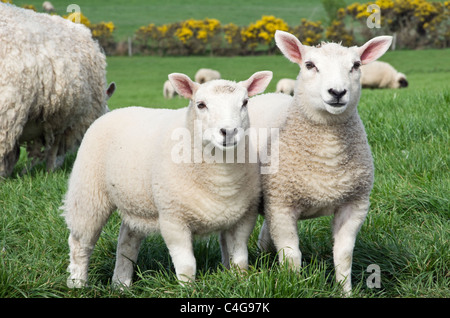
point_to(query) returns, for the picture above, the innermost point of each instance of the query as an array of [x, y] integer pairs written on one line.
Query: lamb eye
[[201, 105], [309, 65], [244, 103], [356, 66]]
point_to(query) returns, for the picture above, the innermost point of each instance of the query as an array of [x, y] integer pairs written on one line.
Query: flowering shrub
[[309, 32], [337, 32], [197, 34], [262, 32], [102, 32], [417, 23], [202, 36]]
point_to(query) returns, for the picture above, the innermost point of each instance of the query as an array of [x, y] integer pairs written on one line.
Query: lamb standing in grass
[[325, 163], [52, 85], [286, 86], [129, 161], [204, 75], [382, 75]]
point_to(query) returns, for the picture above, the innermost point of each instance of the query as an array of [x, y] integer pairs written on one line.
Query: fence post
[[394, 41], [130, 47]]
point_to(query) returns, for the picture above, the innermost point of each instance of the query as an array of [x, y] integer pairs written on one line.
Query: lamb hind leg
[[85, 222], [233, 242], [126, 255], [346, 225]]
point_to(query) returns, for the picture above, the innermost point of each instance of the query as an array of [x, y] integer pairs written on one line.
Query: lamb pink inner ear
[[289, 45], [183, 85], [257, 83], [374, 48]]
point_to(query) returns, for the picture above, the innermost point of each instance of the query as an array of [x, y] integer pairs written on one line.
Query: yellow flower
[[202, 35], [163, 29], [184, 34]]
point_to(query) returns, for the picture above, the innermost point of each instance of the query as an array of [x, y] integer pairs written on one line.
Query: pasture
[[406, 233]]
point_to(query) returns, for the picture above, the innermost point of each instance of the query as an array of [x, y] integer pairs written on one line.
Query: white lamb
[[168, 90], [325, 163], [131, 160], [286, 86], [52, 85], [204, 75], [382, 75]]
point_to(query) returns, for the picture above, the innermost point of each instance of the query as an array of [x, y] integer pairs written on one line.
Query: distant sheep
[[325, 162], [52, 85], [286, 86], [48, 7], [382, 75], [129, 160], [168, 90], [204, 75]]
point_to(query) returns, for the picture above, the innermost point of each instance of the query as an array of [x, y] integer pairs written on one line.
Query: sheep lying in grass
[[129, 161], [204, 75], [52, 85], [48, 7], [286, 86], [382, 75], [168, 90], [325, 163]]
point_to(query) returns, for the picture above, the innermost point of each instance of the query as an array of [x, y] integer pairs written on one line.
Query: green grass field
[[406, 233]]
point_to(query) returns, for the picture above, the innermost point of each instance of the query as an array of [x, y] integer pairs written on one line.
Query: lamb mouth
[[337, 104]]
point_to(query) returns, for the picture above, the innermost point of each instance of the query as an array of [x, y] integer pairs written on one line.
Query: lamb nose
[[228, 132], [336, 93]]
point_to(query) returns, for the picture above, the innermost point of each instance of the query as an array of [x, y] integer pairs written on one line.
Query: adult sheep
[[382, 75], [325, 163], [204, 75], [131, 159], [52, 85]]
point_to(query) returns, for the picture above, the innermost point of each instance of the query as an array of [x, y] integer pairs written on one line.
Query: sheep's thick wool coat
[[52, 84], [320, 165]]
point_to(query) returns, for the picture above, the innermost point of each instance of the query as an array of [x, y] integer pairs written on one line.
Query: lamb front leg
[[346, 224], [178, 239], [282, 225]]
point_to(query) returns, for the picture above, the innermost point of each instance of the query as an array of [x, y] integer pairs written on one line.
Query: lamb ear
[[257, 83], [110, 90], [183, 84], [374, 48], [290, 46]]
